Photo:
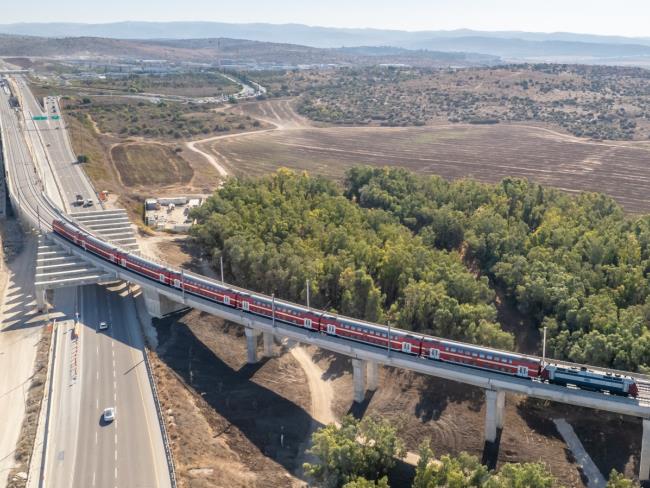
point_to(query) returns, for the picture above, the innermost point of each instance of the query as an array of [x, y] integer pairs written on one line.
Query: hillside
[[513, 45], [217, 49]]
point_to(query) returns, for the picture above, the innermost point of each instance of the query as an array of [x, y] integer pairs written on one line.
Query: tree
[[465, 471], [364, 483], [618, 480], [367, 449]]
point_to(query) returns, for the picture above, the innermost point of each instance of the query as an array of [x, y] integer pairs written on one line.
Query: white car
[[109, 414], [103, 325]]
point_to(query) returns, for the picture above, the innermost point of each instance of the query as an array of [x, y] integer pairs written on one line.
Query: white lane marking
[[115, 397], [113, 352], [98, 350], [96, 406], [94, 478], [95, 443], [116, 472], [97, 375], [116, 454]]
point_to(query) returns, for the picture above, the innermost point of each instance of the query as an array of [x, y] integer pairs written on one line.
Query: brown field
[[486, 153], [141, 164]]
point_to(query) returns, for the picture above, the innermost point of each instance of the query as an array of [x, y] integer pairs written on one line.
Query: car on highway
[[89, 203], [109, 414], [103, 325]]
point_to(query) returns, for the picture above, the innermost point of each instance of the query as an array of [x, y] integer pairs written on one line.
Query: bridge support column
[[159, 305], [644, 461], [373, 375], [268, 344], [251, 345], [359, 377], [41, 299], [494, 409]]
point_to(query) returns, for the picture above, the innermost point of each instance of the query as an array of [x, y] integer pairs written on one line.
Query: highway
[[95, 370], [109, 368], [53, 137]]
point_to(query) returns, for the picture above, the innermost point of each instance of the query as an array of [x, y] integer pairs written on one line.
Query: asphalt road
[[96, 370], [52, 134]]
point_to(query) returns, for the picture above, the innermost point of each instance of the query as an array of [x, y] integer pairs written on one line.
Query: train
[[376, 335]]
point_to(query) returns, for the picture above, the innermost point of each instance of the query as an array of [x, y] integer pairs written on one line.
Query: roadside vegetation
[[598, 102], [391, 246]]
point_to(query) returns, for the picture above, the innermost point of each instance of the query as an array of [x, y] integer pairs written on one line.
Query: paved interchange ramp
[[113, 225]]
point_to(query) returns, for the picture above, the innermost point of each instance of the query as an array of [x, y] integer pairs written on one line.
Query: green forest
[[426, 255]]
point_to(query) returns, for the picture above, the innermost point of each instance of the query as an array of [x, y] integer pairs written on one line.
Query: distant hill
[[219, 49], [511, 45]]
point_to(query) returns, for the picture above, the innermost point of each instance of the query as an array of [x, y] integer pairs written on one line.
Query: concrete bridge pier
[[268, 344], [251, 345], [366, 377], [41, 299], [159, 305], [359, 377], [495, 401], [644, 460], [373, 375]]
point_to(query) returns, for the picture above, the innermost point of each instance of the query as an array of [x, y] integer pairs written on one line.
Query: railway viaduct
[[60, 264]]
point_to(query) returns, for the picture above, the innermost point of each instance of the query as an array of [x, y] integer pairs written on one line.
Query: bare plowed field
[[486, 153], [145, 164]]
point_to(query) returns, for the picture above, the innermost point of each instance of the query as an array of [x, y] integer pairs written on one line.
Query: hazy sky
[[622, 17]]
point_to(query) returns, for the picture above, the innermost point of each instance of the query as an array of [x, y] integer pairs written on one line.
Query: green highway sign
[[54, 117], [39, 117]]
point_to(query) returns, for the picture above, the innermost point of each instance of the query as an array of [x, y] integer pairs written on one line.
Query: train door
[[331, 329], [522, 371], [308, 323], [434, 353], [406, 347], [162, 277]]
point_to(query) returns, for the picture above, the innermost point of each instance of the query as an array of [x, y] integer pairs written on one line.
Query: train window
[[489, 356], [453, 349], [482, 356], [474, 354]]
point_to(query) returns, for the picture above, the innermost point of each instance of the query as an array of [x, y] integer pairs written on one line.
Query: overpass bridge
[[62, 264]]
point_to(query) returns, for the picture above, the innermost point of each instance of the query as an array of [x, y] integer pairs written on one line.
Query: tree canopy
[[577, 265], [394, 246], [278, 231]]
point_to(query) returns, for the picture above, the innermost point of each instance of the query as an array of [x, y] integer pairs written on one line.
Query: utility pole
[[183, 283], [221, 267], [273, 308], [308, 294], [389, 348], [544, 348]]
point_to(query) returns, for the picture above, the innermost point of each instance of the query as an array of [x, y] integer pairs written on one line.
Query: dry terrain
[[485, 152], [150, 165]]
